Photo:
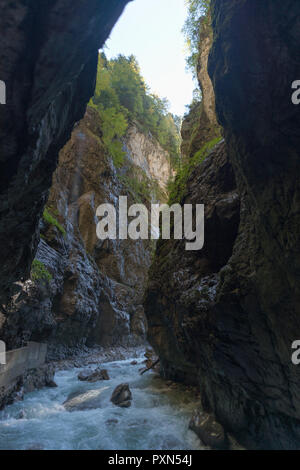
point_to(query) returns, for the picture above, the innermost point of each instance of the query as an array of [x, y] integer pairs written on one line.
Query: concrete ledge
[[21, 360]]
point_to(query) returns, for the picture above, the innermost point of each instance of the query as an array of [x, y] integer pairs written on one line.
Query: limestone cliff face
[[95, 295], [48, 57], [200, 124], [226, 317], [146, 152]]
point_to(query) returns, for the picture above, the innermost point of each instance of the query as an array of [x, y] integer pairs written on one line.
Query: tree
[[121, 95], [191, 29]]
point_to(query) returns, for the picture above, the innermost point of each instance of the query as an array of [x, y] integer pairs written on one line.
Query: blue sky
[[151, 30]]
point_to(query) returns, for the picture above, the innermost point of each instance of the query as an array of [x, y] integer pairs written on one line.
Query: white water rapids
[[158, 418]]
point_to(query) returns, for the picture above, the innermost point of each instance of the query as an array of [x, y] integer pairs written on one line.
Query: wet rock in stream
[[93, 376], [122, 396], [208, 430], [85, 401]]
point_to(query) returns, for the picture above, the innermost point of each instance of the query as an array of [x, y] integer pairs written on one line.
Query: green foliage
[[39, 273], [140, 187], [49, 219], [197, 9], [114, 126], [177, 188], [121, 95]]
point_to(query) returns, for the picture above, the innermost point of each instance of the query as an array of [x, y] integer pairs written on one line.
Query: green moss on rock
[[51, 220], [39, 273], [177, 188]]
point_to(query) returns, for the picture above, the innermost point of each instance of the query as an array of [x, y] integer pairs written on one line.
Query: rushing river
[[158, 418]]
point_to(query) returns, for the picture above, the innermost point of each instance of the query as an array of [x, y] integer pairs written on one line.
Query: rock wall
[[48, 57], [96, 291], [200, 124], [226, 317], [146, 152]]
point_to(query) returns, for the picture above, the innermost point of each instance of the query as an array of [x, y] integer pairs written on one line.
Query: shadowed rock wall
[[94, 296], [230, 328], [48, 58]]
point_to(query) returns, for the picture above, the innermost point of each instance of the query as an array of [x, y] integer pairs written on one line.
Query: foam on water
[[158, 418]]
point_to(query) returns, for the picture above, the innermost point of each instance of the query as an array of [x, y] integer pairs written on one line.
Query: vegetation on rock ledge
[[197, 9], [51, 220], [121, 96], [39, 273], [178, 187]]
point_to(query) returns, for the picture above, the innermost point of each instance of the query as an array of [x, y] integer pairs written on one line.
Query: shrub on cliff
[[39, 273], [51, 220], [121, 95], [197, 9]]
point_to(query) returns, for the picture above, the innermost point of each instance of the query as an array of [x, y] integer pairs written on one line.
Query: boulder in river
[[85, 401], [52, 384], [93, 376], [208, 430], [122, 396]]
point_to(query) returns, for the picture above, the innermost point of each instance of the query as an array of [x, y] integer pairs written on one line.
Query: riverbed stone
[[208, 430], [93, 375], [52, 384], [122, 396], [89, 400]]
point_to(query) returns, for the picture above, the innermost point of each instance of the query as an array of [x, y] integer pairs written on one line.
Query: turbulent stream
[[158, 418]]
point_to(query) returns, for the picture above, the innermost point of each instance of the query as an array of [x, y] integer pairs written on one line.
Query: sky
[[151, 31]]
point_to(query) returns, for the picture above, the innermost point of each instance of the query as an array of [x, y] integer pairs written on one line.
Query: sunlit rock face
[[146, 152], [95, 295], [200, 124], [48, 57], [231, 329]]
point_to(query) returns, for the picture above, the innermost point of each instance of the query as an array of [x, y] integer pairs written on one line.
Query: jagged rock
[[260, 397], [51, 384], [122, 396], [151, 358], [93, 376], [208, 430], [192, 277], [86, 401], [146, 152], [96, 292], [21, 415], [35, 379], [48, 84], [84, 375], [134, 363], [200, 125], [225, 318]]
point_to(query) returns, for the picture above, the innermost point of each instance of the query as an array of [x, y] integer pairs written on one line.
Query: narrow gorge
[[212, 331], [85, 291]]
